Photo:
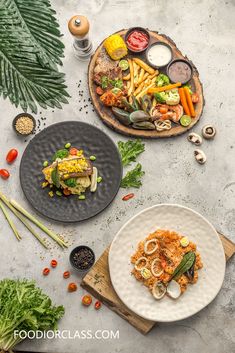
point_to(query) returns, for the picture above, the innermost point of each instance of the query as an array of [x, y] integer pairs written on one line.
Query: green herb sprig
[[133, 177]]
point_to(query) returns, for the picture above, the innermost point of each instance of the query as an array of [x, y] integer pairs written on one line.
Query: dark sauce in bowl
[[82, 258], [180, 70]]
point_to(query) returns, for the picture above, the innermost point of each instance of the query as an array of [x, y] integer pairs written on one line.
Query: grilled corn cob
[[115, 46]]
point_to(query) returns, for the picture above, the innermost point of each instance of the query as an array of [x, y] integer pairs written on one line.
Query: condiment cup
[[159, 43], [76, 250], [20, 116], [179, 60], [140, 29]]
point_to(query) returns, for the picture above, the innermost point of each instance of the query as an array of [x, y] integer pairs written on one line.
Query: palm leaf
[[30, 49]]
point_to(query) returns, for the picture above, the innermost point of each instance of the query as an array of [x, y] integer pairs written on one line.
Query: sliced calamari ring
[[159, 290], [145, 273], [142, 258], [154, 272], [149, 252]]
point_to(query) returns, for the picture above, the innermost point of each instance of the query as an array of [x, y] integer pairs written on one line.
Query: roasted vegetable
[[130, 150], [139, 116], [122, 115], [162, 80], [115, 47], [133, 178], [160, 97]]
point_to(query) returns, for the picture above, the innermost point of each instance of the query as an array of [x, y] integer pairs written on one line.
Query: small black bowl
[[179, 60], [159, 43], [20, 116], [140, 29], [90, 258]]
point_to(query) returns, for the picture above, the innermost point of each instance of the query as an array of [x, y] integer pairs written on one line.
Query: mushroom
[[200, 156], [208, 132], [195, 139]]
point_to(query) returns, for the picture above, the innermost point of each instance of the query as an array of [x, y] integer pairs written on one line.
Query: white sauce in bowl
[[159, 55]]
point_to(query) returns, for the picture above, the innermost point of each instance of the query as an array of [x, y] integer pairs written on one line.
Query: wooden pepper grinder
[[79, 27]]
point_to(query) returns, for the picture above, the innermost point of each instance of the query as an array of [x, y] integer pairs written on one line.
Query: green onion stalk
[[11, 223], [22, 219], [51, 234]]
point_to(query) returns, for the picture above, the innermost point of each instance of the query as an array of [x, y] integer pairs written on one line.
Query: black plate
[[83, 136]]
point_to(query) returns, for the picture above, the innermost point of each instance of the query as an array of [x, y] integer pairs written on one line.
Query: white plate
[[187, 222]]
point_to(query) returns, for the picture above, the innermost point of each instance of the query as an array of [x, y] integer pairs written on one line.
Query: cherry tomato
[[46, 271], [99, 91], [4, 174], [53, 263], [66, 192], [73, 151], [72, 287], [163, 110], [86, 300], [97, 305], [66, 274], [11, 156], [195, 98], [128, 197]]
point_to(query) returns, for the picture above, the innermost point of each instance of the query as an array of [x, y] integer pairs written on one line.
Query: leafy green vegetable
[[130, 150], [30, 49], [117, 83], [60, 154], [162, 80], [23, 306], [185, 265], [71, 183], [132, 178], [55, 177]]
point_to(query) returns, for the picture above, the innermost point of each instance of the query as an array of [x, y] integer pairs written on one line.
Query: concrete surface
[[204, 30]]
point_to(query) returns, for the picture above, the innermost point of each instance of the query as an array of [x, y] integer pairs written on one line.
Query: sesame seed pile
[[24, 125]]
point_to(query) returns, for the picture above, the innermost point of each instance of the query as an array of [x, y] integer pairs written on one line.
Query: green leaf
[[130, 150], [133, 178], [60, 154], [71, 182], [55, 177], [30, 49], [185, 265]]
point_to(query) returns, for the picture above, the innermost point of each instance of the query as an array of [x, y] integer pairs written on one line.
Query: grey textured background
[[205, 31]]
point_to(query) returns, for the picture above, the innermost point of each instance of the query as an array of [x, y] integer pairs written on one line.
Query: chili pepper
[[46, 271], [97, 305], [54, 263], [66, 274], [11, 156], [72, 287], [4, 174], [73, 151], [86, 300], [128, 197]]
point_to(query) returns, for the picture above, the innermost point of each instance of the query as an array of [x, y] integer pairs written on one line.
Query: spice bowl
[[24, 124], [82, 258]]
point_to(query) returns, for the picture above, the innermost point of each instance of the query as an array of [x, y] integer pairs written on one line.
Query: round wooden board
[[106, 114]]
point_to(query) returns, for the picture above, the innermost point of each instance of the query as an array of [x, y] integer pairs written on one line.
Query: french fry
[[145, 66], [127, 77], [139, 88], [155, 74], [141, 75], [131, 88], [145, 91], [136, 76], [128, 84]]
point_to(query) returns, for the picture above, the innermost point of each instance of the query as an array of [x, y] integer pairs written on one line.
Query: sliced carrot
[[184, 101], [189, 101], [164, 88]]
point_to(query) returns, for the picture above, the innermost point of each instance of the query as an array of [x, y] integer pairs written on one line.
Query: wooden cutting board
[[105, 113], [97, 282]]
